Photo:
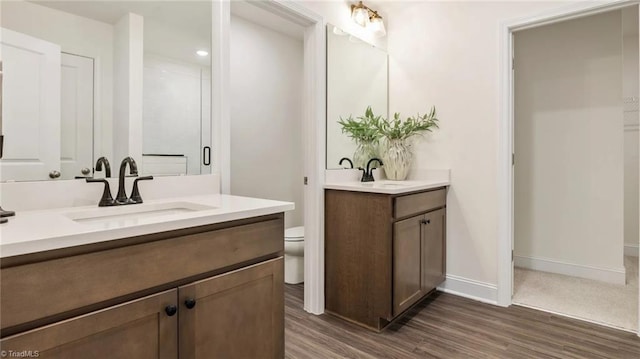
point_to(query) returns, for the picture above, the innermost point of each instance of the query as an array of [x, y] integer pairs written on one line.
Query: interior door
[[76, 147], [31, 107]]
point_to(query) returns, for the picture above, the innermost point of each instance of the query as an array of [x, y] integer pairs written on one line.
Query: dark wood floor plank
[[447, 326]]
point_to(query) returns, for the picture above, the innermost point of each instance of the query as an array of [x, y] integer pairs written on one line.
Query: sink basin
[[122, 216]]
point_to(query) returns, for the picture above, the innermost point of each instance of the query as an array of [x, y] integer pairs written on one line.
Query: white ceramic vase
[[396, 155], [364, 152]]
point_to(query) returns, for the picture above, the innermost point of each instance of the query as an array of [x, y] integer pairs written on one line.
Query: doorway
[[312, 128], [567, 199], [267, 156]]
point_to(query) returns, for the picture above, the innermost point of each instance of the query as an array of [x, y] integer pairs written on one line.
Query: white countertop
[[387, 186], [43, 230]]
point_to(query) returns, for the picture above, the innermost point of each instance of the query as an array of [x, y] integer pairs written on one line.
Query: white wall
[[266, 108], [449, 57], [569, 147], [127, 87], [76, 35], [629, 90]]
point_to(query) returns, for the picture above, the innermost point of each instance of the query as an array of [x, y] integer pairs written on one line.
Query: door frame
[[90, 165], [506, 137], [313, 126]]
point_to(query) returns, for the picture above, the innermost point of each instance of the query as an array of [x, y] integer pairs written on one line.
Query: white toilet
[[294, 255]]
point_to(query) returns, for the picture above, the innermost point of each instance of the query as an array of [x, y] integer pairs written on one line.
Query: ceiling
[[191, 16], [267, 19]]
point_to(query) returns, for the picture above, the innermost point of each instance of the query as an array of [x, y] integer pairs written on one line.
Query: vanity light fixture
[[366, 17], [202, 53], [360, 14], [377, 25]]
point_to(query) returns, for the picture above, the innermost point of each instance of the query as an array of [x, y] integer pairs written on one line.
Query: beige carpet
[[609, 304]]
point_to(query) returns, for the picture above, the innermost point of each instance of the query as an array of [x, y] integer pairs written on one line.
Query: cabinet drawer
[[39, 290], [419, 203]]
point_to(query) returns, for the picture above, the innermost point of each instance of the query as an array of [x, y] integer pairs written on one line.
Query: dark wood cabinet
[[137, 329], [433, 249], [234, 315], [407, 244], [214, 291], [383, 253]]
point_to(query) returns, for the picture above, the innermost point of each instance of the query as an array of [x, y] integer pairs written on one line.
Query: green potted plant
[[396, 146], [364, 132]]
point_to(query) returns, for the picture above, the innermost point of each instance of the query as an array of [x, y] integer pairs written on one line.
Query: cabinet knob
[[190, 303], [425, 221], [171, 310]]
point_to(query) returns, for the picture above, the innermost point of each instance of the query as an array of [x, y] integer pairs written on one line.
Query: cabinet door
[[433, 249], [406, 263], [239, 314], [138, 329]]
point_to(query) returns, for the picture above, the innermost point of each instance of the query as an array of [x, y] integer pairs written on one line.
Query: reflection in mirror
[[356, 78], [177, 97], [86, 79]]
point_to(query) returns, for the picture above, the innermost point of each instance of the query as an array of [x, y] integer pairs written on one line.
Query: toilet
[[294, 255]]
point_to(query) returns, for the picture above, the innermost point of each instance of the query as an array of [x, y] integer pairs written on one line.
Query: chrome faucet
[[107, 168], [121, 198], [367, 174]]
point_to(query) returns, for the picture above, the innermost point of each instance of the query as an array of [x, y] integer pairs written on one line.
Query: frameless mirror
[[357, 77], [86, 79]]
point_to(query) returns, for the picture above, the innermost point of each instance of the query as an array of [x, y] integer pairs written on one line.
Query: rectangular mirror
[[86, 79], [357, 77]]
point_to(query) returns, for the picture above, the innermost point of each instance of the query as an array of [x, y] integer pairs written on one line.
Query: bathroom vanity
[[385, 248], [197, 283]]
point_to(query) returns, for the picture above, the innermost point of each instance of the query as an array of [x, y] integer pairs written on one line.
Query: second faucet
[[121, 198], [367, 174]]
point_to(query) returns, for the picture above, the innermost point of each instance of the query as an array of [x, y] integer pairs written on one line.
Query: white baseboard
[[609, 275], [631, 250], [469, 288]]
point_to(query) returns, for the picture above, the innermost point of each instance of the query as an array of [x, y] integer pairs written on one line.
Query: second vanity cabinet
[[203, 292], [383, 253]]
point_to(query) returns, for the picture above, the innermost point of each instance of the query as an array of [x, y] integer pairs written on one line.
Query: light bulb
[[360, 14], [377, 27], [202, 53]]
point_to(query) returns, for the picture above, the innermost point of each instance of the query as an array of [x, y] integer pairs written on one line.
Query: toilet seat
[[294, 234]]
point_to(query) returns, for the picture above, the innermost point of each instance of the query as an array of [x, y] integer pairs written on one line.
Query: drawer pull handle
[[190, 303], [425, 221], [171, 310]]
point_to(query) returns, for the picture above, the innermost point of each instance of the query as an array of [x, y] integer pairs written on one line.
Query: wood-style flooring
[[448, 326]]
